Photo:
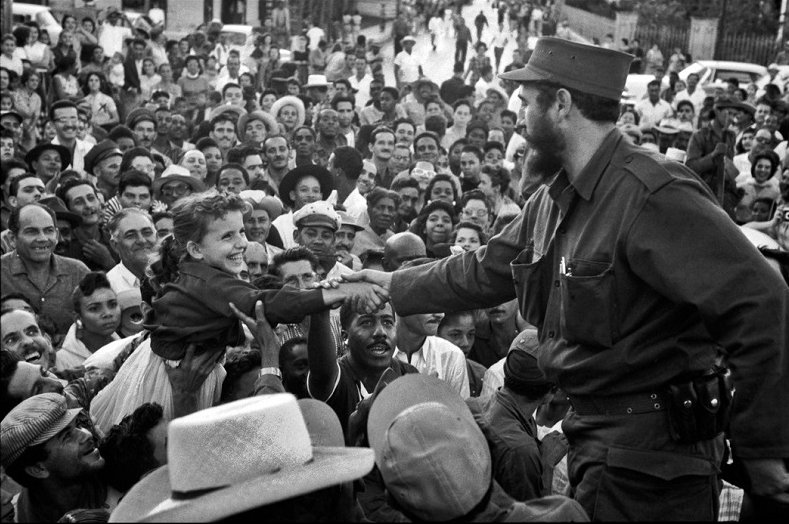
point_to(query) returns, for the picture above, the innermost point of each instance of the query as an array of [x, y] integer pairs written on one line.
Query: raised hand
[[265, 337]]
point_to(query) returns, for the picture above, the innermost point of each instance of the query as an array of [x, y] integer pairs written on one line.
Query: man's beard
[[546, 146]]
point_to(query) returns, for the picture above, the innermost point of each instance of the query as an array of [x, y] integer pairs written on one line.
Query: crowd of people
[[226, 276]]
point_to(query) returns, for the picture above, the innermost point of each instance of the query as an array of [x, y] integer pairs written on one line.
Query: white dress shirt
[[443, 359], [121, 279]]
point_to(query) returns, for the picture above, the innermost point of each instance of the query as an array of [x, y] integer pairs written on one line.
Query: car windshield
[[743, 77], [236, 38], [45, 19]]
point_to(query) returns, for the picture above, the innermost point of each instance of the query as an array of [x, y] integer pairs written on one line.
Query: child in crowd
[[116, 76], [196, 279]]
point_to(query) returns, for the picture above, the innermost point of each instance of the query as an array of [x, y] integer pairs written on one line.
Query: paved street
[[437, 64]]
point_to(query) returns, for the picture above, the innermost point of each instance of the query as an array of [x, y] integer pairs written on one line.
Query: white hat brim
[[150, 499]]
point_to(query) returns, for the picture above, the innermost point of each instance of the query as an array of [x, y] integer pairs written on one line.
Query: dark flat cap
[[104, 149]]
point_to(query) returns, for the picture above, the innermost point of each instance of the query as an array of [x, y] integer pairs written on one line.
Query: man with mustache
[[64, 115], [82, 198], [639, 285], [35, 271]]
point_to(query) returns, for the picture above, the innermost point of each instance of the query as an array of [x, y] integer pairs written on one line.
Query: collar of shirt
[[127, 276], [587, 179], [55, 268]]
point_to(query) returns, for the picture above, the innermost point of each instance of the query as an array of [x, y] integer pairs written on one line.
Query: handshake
[[366, 291]]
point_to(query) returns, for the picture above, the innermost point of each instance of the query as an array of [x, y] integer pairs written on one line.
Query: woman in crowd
[[149, 78], [39, 54], [469, 236], [27, 103], [441, 187], [65, 81], [65, 49], [474, 208], [97, 319], [193, 83], [434, 226], [194, 161], [103, 109], [213, 159]]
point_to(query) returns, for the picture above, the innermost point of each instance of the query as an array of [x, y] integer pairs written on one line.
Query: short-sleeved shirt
[[409, 67], [54, 299], [349, 390]]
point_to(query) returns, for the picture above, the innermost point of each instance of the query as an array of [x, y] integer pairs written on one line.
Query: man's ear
[[37, 471], [564, 101], [13, 201], [194, 250]]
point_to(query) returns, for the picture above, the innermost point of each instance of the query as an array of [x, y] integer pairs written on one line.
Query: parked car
[[42, 15], [712, 74]]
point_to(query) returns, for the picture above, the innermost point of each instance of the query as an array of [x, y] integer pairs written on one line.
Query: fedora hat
[[317, 81], [238, 456], [586, 68], [293, 176], [225, 108], [33, 154], [269, 121], [179, 173], [61, 211]]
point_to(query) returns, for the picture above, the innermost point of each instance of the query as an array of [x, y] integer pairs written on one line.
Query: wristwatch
[[270, 371]]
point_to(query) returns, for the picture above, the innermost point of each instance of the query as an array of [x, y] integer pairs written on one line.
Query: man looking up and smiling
[[627, 336]]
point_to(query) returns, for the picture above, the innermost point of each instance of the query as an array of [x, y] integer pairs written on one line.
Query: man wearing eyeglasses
[[64, 114]]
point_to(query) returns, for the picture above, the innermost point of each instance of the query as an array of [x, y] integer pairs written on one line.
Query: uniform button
[[628, 159], [551, 334], [556, 283], [653, 396], [43, 299]]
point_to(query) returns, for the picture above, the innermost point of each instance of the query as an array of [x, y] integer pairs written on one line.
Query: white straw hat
[[238, 456]]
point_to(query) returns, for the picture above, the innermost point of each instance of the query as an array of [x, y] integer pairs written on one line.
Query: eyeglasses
[[303, 138], [475, 213], [175, 190], [418, 172]]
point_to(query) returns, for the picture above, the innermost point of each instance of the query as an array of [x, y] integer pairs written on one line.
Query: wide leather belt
[[618, 404]]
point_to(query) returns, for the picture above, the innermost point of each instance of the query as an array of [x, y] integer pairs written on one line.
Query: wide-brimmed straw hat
[[290, 100], [272, 127], [181, 174], [242, 455]]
